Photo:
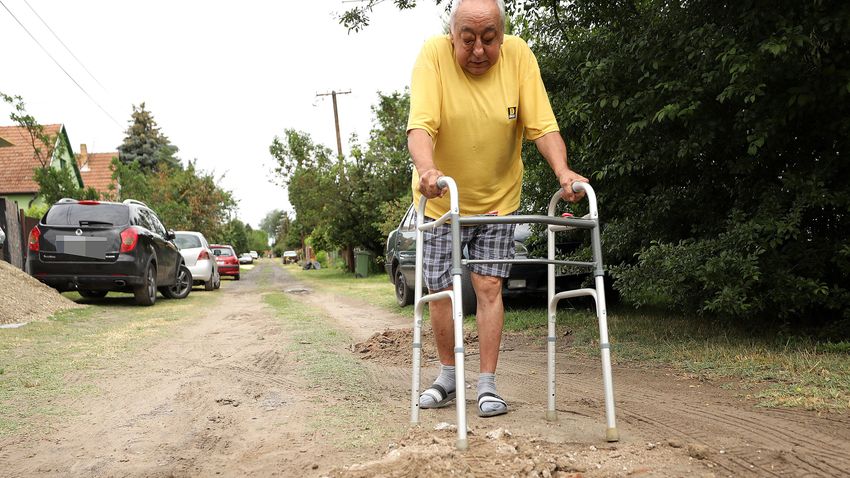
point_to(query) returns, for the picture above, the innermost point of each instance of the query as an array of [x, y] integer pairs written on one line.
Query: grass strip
[[772, 370], [341, 382], [44, 363]]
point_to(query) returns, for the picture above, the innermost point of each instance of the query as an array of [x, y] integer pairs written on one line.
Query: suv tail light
[[204, 255], [129, 239], [35, 235], [89, 202]]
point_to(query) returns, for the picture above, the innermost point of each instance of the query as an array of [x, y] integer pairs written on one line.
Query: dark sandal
[[488, 397], [439, 394]]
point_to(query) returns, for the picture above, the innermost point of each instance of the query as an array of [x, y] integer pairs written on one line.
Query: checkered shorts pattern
[[482, 241]]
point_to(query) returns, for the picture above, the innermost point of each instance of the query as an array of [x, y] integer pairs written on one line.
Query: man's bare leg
[[490, 318]]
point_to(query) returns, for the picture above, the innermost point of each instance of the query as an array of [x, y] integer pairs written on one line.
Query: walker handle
[[442, 183]]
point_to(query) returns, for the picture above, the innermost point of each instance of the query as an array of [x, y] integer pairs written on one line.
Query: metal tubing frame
[[554, 224]]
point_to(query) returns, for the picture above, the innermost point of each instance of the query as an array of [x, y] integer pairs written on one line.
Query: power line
[[60, 66], [64, 45]]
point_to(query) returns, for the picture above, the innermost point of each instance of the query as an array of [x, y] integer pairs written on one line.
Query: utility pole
[[333, 94]]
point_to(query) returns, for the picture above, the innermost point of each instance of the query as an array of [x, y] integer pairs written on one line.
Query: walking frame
[[554, 224]]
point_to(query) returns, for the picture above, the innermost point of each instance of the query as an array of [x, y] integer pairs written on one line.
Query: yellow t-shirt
[[477, 123]]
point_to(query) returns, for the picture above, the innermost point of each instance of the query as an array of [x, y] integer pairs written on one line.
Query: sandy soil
[[223, 397], [25, 299]]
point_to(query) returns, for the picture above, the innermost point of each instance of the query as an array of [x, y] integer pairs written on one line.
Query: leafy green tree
[[714, 134], [54, 184], [258, 240], [146, 144], [339, 204], [185, 199], [234, 233]]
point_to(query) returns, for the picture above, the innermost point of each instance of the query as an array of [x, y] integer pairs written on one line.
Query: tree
[[54, 183], [146, 144], [339, 205], [185, 199], [234, 233], [714, 134]]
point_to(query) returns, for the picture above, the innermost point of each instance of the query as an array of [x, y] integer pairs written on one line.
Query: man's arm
[[552, 147], [421, 148]]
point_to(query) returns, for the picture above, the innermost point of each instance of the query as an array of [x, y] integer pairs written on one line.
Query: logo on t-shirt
[[511, 112]]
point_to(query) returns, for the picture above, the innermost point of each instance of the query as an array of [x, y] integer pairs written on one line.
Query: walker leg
[[551, 414], [611, 433], [460, 384], [417, 357]]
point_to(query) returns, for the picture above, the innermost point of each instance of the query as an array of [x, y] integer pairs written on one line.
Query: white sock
[[446, 379]]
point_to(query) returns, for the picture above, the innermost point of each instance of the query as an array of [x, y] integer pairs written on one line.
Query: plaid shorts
[[482, 241]]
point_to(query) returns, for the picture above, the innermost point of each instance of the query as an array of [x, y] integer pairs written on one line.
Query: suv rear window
[[83, 214], [187, 241], [222, 251]]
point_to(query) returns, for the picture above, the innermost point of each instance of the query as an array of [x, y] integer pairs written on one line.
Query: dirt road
[[231, 393]]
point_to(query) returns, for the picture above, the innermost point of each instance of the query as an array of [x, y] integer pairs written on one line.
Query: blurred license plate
[[94, 247]]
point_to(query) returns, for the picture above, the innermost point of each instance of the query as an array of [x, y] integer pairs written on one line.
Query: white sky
[[221, 78]]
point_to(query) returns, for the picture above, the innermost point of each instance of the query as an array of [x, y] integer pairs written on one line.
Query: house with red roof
[[21, 154], [96, 170]]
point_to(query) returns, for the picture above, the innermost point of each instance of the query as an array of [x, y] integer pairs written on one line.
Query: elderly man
[[474, 94]]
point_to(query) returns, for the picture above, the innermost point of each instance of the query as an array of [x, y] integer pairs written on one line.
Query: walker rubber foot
[[612, 434], [462, 445], [551, 416]]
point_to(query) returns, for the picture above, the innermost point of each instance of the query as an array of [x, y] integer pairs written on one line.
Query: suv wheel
[[92, 294], [403, 292], [181, 289], [146, 293]]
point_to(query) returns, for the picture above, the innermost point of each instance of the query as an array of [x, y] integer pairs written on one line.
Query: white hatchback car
[[199, 258]]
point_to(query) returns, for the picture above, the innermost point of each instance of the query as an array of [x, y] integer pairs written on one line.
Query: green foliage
[[339, 204], [42, 143], [714, 134], [258, 241], [234, 233], [185, 199], [145, 143], [55, 184]]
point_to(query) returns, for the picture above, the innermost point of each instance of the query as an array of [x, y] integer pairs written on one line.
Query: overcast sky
[[221, 78]]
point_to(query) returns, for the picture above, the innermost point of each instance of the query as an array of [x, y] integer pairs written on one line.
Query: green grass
[[375, 289], [46, 362], [332, 372], [769, 370]]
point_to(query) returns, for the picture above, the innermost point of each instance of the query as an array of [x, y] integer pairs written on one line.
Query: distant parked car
[[96, 247], [290, 257], [225, 258], [246, 258], [254, 255], [199, 258]]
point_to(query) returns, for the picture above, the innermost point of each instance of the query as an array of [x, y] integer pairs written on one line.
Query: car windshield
[[187, 241], [222, 251], [84, 214]]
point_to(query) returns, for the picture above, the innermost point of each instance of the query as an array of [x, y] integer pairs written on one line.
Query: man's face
[[477, 35]]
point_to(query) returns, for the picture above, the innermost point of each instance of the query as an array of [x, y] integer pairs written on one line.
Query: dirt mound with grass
[[24, 299], [395, 346], [498, 452]]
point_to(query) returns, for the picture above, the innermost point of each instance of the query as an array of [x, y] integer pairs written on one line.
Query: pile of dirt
[[498, 452], [395, 346], [24, 299]]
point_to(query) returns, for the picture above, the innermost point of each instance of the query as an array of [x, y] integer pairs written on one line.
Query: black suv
[[96, 247], [400, 264]]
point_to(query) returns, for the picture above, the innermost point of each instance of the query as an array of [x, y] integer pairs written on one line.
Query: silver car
[[199, 258]]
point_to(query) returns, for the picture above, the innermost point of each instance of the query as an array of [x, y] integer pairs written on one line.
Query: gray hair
[[456, 5]]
